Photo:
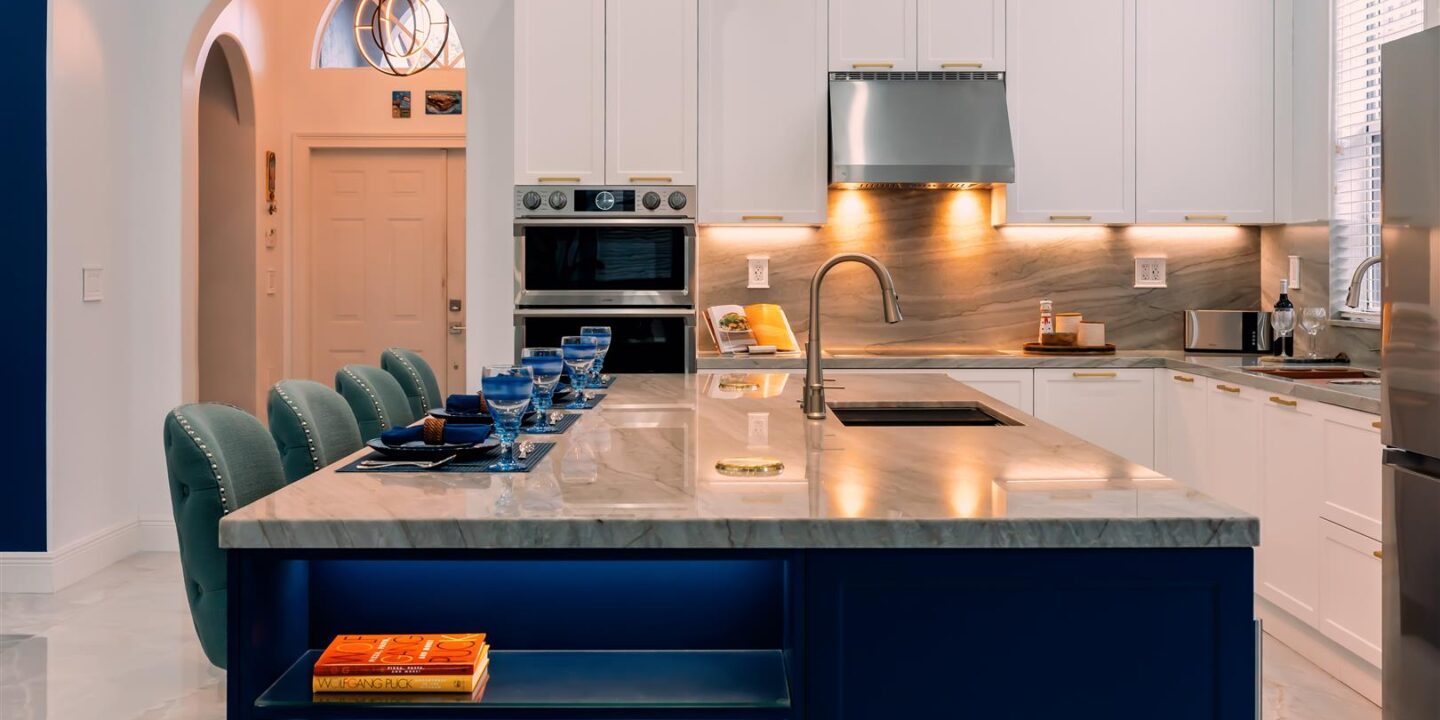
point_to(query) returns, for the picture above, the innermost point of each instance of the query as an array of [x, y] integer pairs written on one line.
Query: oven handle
[[605, 312], [587, 221]]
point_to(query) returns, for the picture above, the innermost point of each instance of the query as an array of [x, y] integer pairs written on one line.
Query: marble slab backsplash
[[1311, 242], [962, 281]]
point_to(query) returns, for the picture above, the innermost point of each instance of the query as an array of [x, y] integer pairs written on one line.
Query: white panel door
[[1071, 88], [872, 35], [765, 117], [1180, 427], [1234, 445], [560, 91], [1114, 409], [961, 35], [1352, 449], [651, 78], [1350, 590], [377, 257], [1205, 111], [1293, 470], [1015, 388]]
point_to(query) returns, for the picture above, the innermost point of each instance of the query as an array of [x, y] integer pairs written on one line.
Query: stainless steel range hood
[[927, 129]]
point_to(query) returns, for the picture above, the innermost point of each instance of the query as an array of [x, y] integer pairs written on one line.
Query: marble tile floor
[[119, 646]]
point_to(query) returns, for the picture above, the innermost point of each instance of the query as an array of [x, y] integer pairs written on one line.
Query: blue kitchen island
[[1008, 570]]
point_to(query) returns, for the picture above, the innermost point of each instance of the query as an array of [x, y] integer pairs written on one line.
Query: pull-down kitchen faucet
[[813, 402], [1352, 298]]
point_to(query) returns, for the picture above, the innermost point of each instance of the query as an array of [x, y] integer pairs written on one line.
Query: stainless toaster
[[1235, 331]]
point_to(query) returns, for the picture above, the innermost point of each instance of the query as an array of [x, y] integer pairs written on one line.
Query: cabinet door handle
[[1228, 389], [885, 66], [762, 218], [559, 179], [1216, 218], [961, 65], [1379, 554], [1282, 401], [1184, 379], [651, 179], [1093, 374], [1378, 425], [1070, 218]]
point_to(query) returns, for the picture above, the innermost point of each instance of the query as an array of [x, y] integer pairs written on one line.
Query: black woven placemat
[[560, 425], [479, 465], [594, 400]]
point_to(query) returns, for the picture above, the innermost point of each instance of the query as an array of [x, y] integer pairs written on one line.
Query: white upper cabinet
[[872, 35], [560, 91], [651, 74], [960, 35], [764, 113], [1205, 112], [1071, 88]]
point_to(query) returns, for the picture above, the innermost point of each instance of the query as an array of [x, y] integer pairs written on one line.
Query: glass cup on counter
[[547, 364], [579, 353], [1283, 321], [602, 336], [508, 389], [1312, 321]]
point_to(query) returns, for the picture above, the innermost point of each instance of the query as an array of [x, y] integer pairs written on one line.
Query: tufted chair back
[[415, 378], [376, 399], [312, 425], [219, 459]]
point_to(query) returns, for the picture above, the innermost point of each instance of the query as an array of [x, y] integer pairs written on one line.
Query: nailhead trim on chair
[[304, 425], [214, 467], [414, 375], [379, 409]]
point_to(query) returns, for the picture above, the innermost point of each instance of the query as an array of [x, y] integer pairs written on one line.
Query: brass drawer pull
[[1282, 401], [651, 179], [1070, 218], [1378, 425], [1216, 218], [961, 65], [559, 179], [884, 66], [1184, 379], [762, 218], [1380, 554], [1228, 389], [1093, 374]]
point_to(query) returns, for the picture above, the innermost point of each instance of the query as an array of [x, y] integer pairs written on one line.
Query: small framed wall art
[[400, 104], [442, 102]]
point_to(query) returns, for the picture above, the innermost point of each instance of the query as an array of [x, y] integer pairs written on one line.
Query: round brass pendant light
[[401, 37]]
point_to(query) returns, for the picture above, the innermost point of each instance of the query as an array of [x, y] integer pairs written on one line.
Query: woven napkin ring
[[483, 406], [433, 431]]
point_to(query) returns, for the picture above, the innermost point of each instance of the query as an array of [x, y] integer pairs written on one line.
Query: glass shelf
[[564, 679]]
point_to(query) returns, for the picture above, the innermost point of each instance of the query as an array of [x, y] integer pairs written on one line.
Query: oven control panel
[[578, 201]]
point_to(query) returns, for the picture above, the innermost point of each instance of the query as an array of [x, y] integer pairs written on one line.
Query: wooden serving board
[[1036, 348]]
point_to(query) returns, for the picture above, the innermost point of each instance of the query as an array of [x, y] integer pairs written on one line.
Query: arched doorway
[[226, 327]]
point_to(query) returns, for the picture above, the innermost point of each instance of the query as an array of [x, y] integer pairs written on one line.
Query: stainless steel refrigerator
[[1410, 365]]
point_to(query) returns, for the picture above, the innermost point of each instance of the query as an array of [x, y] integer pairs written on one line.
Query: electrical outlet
[[757, 271], [1150, 272], [758, 430]]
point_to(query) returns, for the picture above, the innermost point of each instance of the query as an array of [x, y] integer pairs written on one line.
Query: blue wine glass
[[579, 353], [547, 363], [602, 336], [507, 391]]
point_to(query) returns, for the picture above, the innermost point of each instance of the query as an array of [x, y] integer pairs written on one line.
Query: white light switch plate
[[1294, 272], [757, 271], [92, 284], [1150, 272]]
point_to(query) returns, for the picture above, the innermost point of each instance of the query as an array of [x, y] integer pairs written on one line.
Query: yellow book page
[[770, 327]]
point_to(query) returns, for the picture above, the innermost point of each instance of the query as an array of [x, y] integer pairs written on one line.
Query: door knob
[[457, 329]]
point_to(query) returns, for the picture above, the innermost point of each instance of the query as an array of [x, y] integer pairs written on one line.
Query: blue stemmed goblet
[[547, 363], [602, 336], [507, 391], [579, 353]]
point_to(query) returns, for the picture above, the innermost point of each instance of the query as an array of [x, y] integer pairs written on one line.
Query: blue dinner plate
[[418, 450], [474, 418]]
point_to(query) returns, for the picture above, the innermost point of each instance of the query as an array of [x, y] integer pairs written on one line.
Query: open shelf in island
[[546, 681]]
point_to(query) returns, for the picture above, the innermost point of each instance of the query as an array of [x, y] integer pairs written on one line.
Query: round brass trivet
[[433, 431], [750, 466]]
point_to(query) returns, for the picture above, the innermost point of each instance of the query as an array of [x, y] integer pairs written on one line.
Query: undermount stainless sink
[[963, 414]]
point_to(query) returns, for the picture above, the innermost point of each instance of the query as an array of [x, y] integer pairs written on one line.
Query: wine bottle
[[1285, 346]]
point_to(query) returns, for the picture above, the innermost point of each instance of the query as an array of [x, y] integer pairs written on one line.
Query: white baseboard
[[157, 534], [48, 572], [1343, 665]]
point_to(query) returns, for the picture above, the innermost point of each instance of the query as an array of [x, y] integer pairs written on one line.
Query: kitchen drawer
[[1015, 388], [1350, 590], [1350, 443], [1112, 408]]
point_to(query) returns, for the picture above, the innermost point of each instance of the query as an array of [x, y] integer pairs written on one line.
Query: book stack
[[453, 665]]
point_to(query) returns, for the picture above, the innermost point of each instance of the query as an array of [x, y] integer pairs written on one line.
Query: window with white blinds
[[1361, 27]]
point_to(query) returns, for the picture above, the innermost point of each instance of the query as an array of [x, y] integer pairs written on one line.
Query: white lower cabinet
[[1015, 388], [1351, 447], [1294, 468], [1180, 427], [1233, 445], [1350, 587], [1114, 409]]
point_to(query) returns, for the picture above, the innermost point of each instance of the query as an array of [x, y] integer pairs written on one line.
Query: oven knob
[[531, 200], [557, 200], [651, 200], [605, 200], [677, 200]]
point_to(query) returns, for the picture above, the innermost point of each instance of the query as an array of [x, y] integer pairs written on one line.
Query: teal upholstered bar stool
[[312, 425], [377, 399], [416, 378], [219, 459]]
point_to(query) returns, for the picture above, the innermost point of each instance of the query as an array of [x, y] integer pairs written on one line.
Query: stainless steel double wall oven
[[617, 256]]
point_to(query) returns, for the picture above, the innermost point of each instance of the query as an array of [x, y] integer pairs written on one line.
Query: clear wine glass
[[1283, 321], [1312, 321], [507, 391], [547, 363], [579, 353], [602, 336]]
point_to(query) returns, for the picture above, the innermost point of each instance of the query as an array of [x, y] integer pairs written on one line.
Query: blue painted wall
[[22, 485]]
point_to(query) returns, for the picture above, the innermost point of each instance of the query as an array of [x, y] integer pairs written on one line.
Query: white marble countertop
[[1230, 368], [639, 472]]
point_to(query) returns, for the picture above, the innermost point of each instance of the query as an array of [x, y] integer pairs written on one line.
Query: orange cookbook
[[459, 654]]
